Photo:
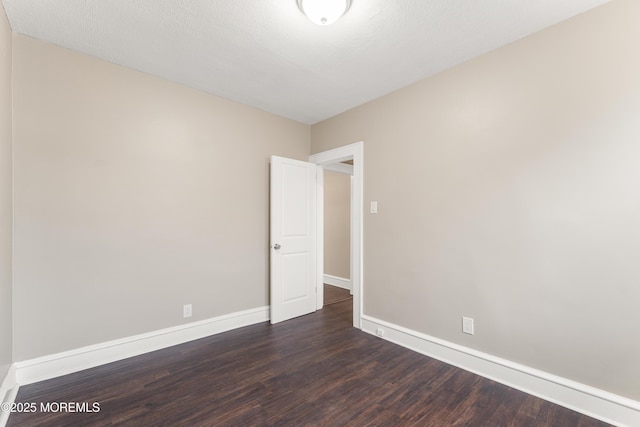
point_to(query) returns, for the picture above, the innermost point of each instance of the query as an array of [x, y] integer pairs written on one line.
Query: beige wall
[[508, 191], [6, 197], [133, 196], [337, 219]]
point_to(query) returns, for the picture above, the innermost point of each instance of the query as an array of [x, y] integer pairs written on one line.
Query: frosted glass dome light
[[324, 12]]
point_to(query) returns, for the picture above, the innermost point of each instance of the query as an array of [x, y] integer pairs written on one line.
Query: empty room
[[268, 213]]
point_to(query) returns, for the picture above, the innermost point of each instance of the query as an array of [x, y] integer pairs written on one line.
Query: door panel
[[295, 280], [293, 238]]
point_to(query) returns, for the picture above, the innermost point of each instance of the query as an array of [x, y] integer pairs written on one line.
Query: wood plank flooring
[[334, 294], [316, 370]]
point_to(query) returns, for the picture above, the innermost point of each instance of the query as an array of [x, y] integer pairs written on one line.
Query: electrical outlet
[[187, 310], [380, 332], [467, 325]]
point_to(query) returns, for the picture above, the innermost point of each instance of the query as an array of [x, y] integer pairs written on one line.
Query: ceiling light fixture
[[324, 12]]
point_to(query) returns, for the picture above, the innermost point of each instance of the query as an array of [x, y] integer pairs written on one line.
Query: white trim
[[353, 152], [339, 282], [8, 382], [8, 392], [51, 366], [593, 402], [319, 238]]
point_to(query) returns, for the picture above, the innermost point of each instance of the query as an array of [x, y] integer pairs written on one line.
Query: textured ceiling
[[266, 54]]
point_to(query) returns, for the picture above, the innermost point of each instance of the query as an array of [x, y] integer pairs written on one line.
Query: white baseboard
[[8, 392], [593, 402], [55, 365], [340, 282]]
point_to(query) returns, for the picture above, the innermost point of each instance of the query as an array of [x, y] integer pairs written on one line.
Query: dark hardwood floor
[[316, 370], [334, 294]]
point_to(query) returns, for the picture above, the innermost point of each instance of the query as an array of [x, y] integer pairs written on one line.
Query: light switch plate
[[467, 325], [374, 208], [187, 310]]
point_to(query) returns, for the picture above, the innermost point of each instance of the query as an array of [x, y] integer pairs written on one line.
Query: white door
[[293, 238]]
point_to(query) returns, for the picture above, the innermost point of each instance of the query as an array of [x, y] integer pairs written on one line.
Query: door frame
[[353, 152]]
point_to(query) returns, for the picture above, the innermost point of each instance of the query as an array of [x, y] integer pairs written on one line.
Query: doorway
[[334, 160], [337, 233]]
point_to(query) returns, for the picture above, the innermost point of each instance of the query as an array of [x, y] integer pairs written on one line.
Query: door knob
[[276, 246]]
